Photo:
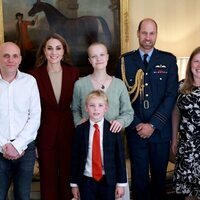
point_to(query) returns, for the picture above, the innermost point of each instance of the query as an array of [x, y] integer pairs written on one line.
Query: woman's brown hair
[[40, 56], [188, 86]]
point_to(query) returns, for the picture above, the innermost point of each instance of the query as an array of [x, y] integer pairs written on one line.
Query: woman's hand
[[174, 146], [116, 126]]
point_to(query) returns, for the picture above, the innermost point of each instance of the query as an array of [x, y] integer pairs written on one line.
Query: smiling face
[[96, 107], [195, 68], [98, 56], [147, 35], [54, 51]]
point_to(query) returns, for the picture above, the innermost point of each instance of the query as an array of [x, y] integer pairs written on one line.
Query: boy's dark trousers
[[93, 190]]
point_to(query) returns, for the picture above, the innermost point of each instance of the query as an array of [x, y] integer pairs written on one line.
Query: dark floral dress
[[187, 167]]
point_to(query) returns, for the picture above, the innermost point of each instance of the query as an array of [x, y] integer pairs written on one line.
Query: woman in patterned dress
[[186, 122]]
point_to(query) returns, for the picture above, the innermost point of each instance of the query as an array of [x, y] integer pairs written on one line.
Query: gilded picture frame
[[1, 23], [124, 24]]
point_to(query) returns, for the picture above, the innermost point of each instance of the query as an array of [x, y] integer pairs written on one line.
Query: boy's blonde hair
[[97, 93]]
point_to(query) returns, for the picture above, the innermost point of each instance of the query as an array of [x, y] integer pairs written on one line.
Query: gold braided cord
[[138, 87]]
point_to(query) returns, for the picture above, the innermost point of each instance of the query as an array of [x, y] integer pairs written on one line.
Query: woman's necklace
[[102, 84]]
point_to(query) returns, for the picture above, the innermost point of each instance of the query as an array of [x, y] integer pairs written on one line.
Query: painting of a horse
[[79, 32]]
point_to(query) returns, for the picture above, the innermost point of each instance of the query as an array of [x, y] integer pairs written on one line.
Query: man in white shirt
[[19, 121]]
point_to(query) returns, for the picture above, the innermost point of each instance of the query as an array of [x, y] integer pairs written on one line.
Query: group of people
[[80, 120]]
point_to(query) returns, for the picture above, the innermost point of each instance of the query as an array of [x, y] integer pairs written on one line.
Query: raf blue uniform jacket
[[160, 91], [113, 155]]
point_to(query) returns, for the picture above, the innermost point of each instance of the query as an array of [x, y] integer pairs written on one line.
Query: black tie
[[145, 60]]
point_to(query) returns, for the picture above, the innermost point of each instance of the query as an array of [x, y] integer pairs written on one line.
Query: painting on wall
[[28, 22]]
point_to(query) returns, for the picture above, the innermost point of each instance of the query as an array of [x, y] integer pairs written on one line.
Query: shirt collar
[[100, 123], [149, 54], [18, 75]]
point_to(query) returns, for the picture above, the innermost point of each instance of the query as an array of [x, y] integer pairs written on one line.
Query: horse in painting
[[78, 32]]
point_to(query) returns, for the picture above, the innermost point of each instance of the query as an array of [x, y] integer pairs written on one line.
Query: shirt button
[[147, 95], [146, 73], [146, 84], [161, 79]]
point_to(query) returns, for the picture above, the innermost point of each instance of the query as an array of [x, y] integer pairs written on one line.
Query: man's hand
[[145, 130], [10, 153]]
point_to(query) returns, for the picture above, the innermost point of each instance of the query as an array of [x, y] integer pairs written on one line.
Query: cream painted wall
[[178, 23]]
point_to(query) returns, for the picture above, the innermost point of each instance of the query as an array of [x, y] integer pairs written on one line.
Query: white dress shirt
[[19, 111]]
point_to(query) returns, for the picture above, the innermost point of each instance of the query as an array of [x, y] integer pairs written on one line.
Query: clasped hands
[[10, 152], [144, 130]]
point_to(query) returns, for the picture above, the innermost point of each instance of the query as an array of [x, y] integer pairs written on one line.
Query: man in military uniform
[[151, 77]]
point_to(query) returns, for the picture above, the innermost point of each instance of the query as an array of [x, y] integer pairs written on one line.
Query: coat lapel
[[49, 88], [47, 85], [138, 60], [154, 59], [86, 136], [63, 86], [106, 134]]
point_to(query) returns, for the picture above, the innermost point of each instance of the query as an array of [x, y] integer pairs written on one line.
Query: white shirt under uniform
[[19, 111]]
